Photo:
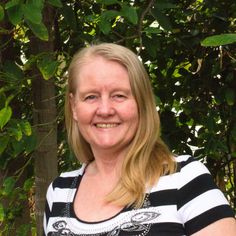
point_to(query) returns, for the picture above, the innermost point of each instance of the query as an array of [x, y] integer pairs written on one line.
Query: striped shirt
[[179, 204]]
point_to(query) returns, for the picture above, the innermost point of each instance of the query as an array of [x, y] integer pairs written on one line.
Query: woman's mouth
[[105, 126]]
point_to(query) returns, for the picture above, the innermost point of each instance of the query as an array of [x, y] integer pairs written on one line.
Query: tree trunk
[[44, 116], [44, 119]]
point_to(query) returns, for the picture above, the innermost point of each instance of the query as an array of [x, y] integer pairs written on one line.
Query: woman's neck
[[107, 162]]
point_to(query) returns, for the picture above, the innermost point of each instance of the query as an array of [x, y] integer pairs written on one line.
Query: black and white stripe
[[179, 204]]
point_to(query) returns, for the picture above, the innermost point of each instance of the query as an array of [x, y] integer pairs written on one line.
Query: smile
[[106, 125]]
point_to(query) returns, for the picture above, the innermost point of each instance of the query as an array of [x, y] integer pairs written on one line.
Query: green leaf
[[162, 5], [108, 2], [12, 3], [32, 13], [152, 30], [12, 72], [210, 123], [8, 185], [39, 30], [28, 184], [157, 101], [30, 143], [55, 3], [16, 132], [30, 62], [8, 100], [130, 13], [17, 147], [5, 115], [1, 13], [26, 128], [105, 26], [47, 67], [36, 3], [15, 14], [69, 16], [2, 100], [23, 230], [109, 15], [233, 154], [150, 46], [4, 140], [162, 19], [230, 96], [233, 135], [219, 40], [105, 22], [92, 18], [233, 131], [2, 213]]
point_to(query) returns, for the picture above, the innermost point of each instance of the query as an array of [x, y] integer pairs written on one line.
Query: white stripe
[[179, 179], [168, 214], [74, 172], [165, 183], [50, 197], [182, 158], [64, 195], [202, 203], [190, 172]]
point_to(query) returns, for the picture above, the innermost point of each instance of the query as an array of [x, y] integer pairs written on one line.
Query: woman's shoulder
[[187, 163], [184, 159], [189, 169], [195, 187], [73, 173], [66, 179], [182, 175]]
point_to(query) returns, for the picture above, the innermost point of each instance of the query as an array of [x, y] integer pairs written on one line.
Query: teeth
[[106, 125]]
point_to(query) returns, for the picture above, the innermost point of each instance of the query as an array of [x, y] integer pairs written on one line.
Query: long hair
[[148, 157]]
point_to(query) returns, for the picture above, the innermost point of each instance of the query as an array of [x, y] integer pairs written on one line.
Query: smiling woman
[[129, 183], [104, 107]]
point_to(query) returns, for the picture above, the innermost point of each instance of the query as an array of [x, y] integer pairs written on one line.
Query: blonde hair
[[148, 157]]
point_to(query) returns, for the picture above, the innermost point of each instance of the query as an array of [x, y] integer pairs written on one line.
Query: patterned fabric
[[179, 204]]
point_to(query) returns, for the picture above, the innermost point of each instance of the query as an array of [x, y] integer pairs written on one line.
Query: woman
[[129, 183]]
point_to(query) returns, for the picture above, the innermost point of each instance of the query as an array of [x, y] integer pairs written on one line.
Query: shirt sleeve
[[200, 202]]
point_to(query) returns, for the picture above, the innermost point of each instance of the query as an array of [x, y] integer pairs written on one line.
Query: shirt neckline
[[77, 183]]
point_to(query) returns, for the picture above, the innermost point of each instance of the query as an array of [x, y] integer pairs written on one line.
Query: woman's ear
[[73, 106]]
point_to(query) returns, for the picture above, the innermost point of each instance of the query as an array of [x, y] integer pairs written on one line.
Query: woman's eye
[[119, 97], [90, 97]]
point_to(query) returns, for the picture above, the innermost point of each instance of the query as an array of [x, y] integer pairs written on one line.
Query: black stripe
[[164, 197], [59, 209], [208, 217], [194, 188], [64, 182], [167, 229], [182, 164], [62, 209], [47, 212]]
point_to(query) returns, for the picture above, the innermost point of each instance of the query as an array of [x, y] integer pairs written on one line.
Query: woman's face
[[103, 106]]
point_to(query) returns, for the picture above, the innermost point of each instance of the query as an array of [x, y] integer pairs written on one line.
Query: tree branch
[[140, 26]]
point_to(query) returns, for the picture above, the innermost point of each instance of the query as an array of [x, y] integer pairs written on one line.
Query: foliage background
[[193, 77]]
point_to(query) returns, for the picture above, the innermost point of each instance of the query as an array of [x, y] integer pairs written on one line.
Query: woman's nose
[[105, 107]]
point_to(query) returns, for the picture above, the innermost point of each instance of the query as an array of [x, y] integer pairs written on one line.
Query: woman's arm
[[223, 227], [202, 206]]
